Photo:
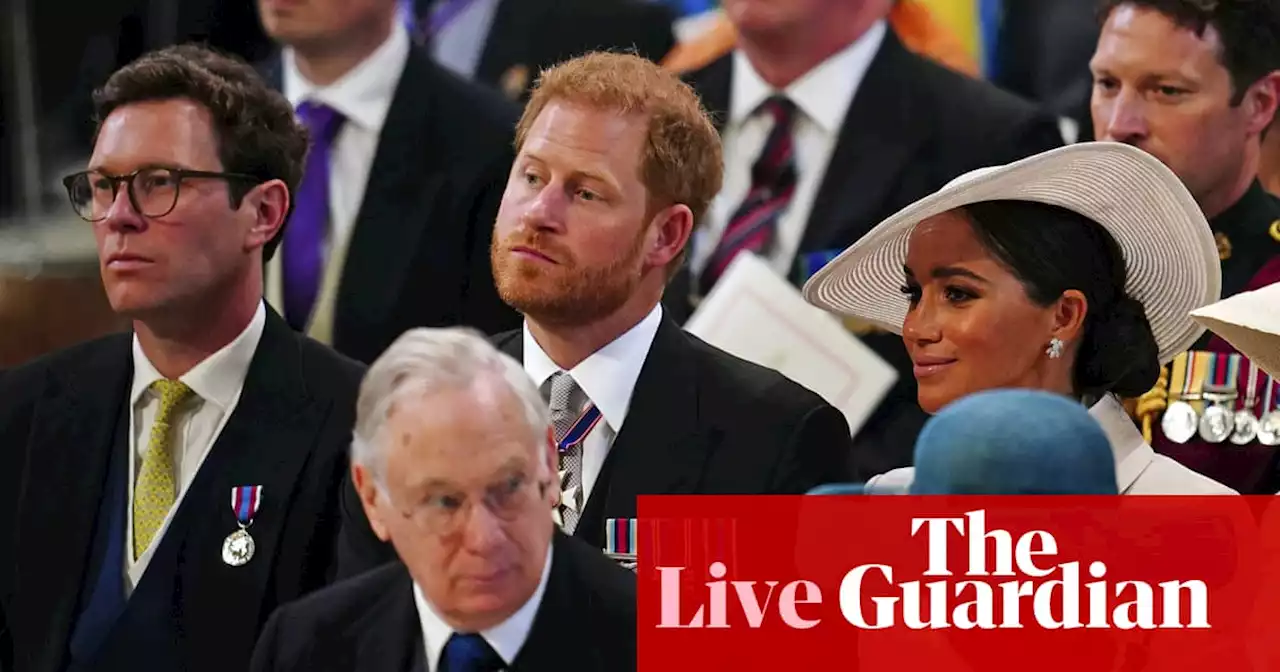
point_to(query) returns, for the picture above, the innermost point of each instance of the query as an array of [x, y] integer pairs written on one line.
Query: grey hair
[[424, 361]]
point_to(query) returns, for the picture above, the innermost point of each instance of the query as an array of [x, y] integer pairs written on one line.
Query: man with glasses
[[162, 491], [455, 466]]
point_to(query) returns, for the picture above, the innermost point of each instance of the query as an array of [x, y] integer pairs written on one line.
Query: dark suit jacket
[[528, 36], [60, 427], [913, 126], [701, 422], [419, 255], [371, 623]]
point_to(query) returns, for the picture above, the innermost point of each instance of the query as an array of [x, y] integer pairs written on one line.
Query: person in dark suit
[[455, 464], [1197, 86], [161, 492], [395, 212], [868, 127], [506, 43], [616, 161]]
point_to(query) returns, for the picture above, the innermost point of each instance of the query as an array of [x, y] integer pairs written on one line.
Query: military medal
[[571, 496], [620, 541], [1179, 421], [1218, 421], [238, 547], [1246, 422], [1269, 426]]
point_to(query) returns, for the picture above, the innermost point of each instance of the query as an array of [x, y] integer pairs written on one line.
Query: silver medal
[[1269, 429], [1246, 429], [1179, 422], [238, 548], [1216, 424]]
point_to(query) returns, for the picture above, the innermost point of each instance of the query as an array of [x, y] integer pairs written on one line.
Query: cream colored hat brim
[[1250, 322], [1170, 255]]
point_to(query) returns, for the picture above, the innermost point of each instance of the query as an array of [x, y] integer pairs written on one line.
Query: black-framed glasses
[[152, 191]]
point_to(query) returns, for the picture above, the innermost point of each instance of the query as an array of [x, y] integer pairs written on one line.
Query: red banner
[[982, 584]]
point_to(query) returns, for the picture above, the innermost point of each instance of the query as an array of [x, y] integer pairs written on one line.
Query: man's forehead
[[1130, 28]]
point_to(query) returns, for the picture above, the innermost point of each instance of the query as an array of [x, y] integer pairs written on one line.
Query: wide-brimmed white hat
[[1250, 322], [1170, 256]]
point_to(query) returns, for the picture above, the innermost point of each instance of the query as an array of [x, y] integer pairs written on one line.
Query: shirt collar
[[219, 378], [1131, 451], [363, 95], [823, 94], [608, 376], [506, 638]]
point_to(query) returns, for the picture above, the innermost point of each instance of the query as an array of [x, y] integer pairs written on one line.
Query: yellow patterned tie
[[156, 488]]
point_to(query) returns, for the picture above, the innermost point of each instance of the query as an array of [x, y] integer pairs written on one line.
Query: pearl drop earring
[[1055, 348]]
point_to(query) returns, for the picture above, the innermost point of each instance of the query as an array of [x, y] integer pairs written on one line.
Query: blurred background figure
[[407, 164], [1013, 442], [823, 139], [456, 468], [1196, 85], [506, 43]]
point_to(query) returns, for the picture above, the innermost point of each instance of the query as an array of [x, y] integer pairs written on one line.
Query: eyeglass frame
[[181, 175], [467, 504]]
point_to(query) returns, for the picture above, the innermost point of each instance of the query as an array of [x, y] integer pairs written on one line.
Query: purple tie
[[304, 237]]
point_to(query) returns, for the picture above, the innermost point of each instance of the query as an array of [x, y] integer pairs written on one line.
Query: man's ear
[[269, 204], [669, 232], [1261, 101], [369, 495]]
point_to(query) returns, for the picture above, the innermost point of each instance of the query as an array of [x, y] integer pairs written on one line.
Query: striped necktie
[[753, 226], [156, 488]]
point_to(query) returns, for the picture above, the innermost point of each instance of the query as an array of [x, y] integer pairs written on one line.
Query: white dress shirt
[[608, 377], [1140, 470], [505, 638], [363, 96], [217, 383], [822, 98]]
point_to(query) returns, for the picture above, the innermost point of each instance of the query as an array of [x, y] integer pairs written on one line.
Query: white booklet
[[756, 315]]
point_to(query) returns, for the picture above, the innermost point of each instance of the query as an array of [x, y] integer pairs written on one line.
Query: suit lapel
[[73, 436], [393, 632], [876, 143], [661, 448], [267, 442], [395, 213], [563, 610]]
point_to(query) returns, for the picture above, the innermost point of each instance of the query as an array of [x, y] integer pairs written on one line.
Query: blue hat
[[1014, 442]]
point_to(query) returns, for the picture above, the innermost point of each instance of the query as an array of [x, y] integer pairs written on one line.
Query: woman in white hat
[[1071, 271]]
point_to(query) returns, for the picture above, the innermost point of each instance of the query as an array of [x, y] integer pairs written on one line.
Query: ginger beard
[[565, 293]]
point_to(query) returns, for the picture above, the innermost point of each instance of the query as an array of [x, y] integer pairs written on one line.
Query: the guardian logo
[[1041, 590]]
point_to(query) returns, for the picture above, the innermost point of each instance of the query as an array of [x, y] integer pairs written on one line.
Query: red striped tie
[[773, 182]]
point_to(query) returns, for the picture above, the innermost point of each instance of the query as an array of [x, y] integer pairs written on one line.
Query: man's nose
[[1127, 122]]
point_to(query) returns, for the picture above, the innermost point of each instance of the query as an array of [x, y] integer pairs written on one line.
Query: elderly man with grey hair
[[455, 466]]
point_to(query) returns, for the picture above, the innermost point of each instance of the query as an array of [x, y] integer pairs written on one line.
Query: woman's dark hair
[[1051, 250]]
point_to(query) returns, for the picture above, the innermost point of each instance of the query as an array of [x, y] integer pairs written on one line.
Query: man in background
[[395, 211], [1196, 85]]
